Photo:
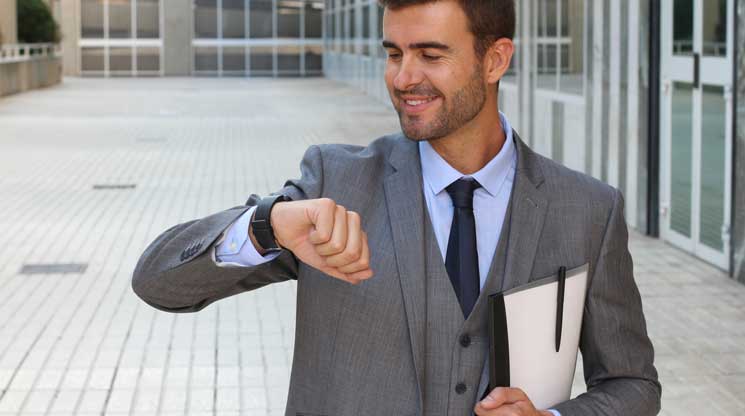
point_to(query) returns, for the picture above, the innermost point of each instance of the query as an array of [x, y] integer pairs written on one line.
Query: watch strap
[[261, 224]]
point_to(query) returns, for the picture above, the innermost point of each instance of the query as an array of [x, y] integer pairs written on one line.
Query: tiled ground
[[85, 344]]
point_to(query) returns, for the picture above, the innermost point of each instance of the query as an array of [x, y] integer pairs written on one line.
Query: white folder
[[524, 337]]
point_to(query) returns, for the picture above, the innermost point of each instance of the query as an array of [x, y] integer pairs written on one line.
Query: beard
[[453, 113]]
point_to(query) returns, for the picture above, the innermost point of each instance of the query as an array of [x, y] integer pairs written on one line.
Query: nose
[[407, 76]]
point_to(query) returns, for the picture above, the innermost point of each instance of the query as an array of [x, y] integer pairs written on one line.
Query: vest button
[[460, 388], [465, 340]]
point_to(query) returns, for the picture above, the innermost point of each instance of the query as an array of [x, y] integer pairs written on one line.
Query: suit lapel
[[404, 200], [527, 217]]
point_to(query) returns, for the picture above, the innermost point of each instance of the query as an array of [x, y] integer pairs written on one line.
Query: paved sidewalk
[[92, 170]]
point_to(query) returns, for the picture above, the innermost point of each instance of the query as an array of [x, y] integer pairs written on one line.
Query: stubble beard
[[453, 114]]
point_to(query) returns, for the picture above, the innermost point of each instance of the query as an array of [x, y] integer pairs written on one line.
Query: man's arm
[[178, 271], [617, 355]]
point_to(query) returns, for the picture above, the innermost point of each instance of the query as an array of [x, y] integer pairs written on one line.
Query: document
[[534, 336]]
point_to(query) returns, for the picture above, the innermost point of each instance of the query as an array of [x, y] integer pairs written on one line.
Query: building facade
[[645, 95], [192, 37], [638, 93]]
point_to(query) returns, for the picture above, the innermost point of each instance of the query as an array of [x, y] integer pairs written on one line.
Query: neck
[[471, 147]]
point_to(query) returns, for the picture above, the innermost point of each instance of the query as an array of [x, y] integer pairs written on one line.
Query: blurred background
[[120, 118]]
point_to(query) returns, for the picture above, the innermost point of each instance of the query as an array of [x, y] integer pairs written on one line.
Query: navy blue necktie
[[462, 259]]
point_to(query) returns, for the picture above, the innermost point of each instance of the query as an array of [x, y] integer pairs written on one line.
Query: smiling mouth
[[415, 103]]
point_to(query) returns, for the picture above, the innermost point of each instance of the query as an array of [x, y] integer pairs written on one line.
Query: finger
[[338, 240], [504, 410], [502, 395], [353, 243], [322, 218], [363, 263]]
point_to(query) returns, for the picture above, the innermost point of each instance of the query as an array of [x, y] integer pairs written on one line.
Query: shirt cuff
[[555, 412], [236, 249]]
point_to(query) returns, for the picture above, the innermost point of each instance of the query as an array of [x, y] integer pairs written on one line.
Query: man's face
[[434, 78]]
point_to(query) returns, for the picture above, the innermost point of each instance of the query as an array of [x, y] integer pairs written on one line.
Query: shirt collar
[[438, 174]]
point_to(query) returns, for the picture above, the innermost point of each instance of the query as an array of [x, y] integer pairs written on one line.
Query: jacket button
[[465, 340], [460, 388]]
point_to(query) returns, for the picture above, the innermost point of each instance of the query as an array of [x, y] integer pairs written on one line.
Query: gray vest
[[456, 349]]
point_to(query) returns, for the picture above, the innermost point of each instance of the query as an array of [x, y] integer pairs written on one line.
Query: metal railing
[[28, 51]]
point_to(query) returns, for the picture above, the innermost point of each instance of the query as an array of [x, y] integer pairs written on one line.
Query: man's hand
[[325, 236], [505, 401]]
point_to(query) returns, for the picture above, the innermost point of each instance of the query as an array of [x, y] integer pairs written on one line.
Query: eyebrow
[[419, 45]]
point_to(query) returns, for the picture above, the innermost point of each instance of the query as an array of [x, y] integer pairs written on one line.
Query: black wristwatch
[[260, 224]]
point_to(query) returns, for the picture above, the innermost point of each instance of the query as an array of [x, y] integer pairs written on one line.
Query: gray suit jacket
[[359, 350]]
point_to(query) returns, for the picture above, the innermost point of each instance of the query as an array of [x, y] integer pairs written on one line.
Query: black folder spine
[[499, 345]]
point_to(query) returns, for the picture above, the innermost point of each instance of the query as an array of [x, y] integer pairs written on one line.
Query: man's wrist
[[261, 250]]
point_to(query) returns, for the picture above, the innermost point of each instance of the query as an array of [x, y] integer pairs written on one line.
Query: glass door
[[696, 126]]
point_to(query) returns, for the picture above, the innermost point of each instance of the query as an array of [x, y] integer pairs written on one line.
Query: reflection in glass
[[261, 19], [91, 18], [262, 60], [712, 166], [313, 60], [288, 60], [148, 19], [205, 18], [366, 30], [233, 19], [683, 27], [120, 60], [91, 59], [205, 59], [120, 19], [288, 19], [681, 158], [148, 60], [313, 20], [572, 47], [234, 60], [715, 27]]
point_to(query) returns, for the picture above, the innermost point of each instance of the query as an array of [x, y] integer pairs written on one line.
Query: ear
[[497, 59]]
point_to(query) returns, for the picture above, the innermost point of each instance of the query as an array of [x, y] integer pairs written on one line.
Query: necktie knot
[[461, 192]]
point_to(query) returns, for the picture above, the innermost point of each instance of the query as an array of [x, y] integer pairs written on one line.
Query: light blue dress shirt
[[489, 208]]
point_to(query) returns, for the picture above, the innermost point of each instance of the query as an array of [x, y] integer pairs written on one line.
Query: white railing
[[28, 51]]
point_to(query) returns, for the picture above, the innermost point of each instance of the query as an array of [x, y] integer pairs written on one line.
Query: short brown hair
[[489, 20]]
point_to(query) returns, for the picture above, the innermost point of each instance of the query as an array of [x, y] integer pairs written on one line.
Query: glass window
[[205, 59], [261, 60], [313, 60], [353, 29], [683, 27], [233, 19], [261, 19], [366, 29], [148, 59], [715, 28], [572, 47], [205, 18], [148, 19], [91, 18], [313, 22], [714, 137], [288, 60], [682, 154], [92, 59], [120, 19], [234, 60], [288, 19], [120, 60]]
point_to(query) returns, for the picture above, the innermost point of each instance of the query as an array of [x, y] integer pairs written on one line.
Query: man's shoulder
[[379, 148], [563, 184]]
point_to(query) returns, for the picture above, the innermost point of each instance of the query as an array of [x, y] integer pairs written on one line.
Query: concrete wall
[[738, 228], [70, 28], [16, 77], [8, 30], [177, 37]]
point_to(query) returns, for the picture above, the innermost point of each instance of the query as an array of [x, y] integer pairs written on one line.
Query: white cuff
[[235, 248]]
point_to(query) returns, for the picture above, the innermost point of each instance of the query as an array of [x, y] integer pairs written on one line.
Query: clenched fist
[[323, 235]]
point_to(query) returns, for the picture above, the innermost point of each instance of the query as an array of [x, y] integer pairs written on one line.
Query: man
[[424, 225]]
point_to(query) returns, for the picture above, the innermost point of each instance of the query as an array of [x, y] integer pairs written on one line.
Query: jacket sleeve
[[178, 273], [617, 355]]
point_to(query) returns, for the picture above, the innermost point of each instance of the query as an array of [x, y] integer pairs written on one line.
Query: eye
[[430, 57], [393, 55]]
